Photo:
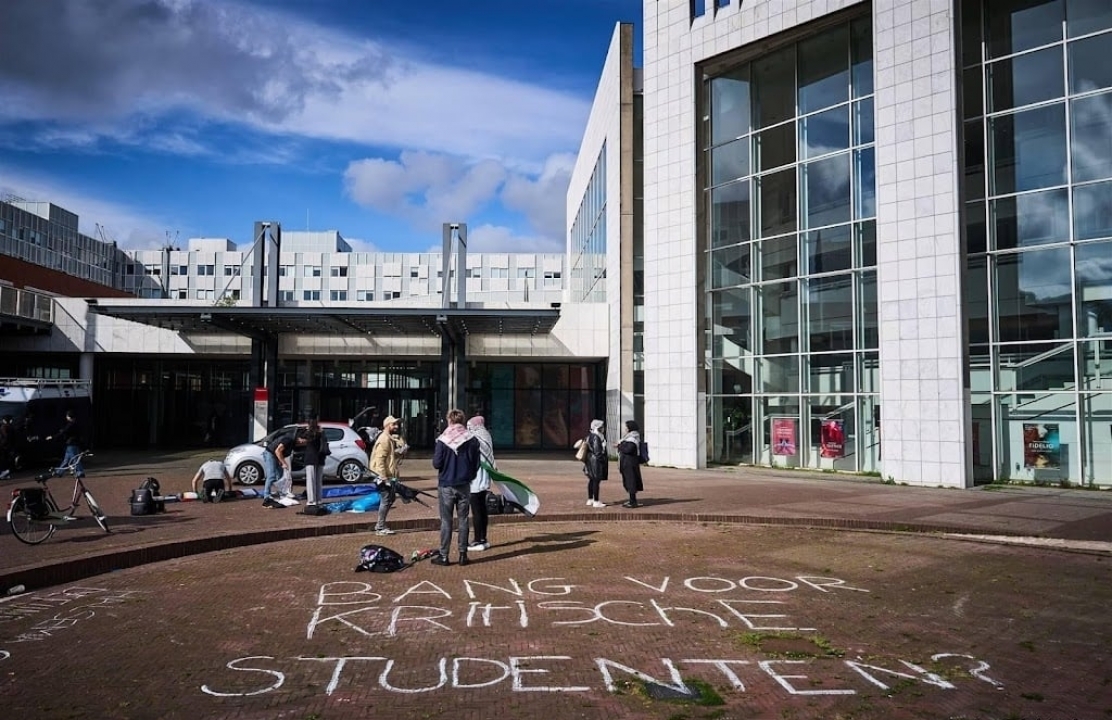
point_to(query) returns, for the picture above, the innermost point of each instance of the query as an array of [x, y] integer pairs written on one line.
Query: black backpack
[[643, 452], [379, 559], [495, 505]]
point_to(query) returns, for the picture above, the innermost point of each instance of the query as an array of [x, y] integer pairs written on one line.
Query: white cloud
[[497, 238], [146, 60], [542, 200], [130, 228]]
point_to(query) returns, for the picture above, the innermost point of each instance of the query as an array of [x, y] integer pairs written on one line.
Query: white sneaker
[[478, 547], [5, 475], [590, 503], [597, 504]]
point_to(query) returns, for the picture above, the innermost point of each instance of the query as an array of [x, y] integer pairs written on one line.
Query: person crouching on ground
[[629, 462], [481, 484], [385, 458], [456, 459], [597, 465], [212, 481]]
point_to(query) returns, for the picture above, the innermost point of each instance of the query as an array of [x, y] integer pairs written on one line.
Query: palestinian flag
[[514, 492]]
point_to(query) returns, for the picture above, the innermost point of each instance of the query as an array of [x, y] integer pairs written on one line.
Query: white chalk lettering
[[359, 593], [517, 670], [513, 589], [821, 583], [334, 681], [279, 678], [600, 606], [418, 589], [677, 683], [724, 667], [756, 583], [484, 610], [384, 679], [977, 672], [457, 662], [766, 665], [342, 618], [923, 676], [659, 588], [396, 617], [721, 584], [746, 617], [550, 589], [663, 612], [4, 654], [573, 605]]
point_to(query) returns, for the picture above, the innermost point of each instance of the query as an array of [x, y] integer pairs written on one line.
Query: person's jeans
[[313, 477], [455, 498], [73, 451], [386, 492], [273, 470]]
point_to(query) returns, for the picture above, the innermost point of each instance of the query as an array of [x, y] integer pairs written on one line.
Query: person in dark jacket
[[316, 450], [597, 465], [70, 435], [456, 459], [629, 462]]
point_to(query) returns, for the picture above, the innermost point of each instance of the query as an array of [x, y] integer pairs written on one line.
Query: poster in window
[[832, 439], [1042, 448], [783, 436]]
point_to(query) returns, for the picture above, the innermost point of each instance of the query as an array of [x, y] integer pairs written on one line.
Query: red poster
[[833, 441], [783, 436]]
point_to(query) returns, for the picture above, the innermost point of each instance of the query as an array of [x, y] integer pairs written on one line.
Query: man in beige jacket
[[386, 457]]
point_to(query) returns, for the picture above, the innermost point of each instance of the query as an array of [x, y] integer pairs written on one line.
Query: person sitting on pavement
[[212, 481]]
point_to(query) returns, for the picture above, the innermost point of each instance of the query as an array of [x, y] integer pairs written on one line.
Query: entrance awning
[[266, 322]]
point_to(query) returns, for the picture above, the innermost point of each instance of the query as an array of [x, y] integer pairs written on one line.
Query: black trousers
[[479, 517]]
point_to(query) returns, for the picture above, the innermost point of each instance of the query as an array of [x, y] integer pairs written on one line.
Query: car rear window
[[333, 434]]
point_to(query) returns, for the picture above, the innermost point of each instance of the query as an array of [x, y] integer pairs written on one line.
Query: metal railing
[[27, 304]]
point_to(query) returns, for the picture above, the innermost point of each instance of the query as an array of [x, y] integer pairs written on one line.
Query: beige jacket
[[384, 456]]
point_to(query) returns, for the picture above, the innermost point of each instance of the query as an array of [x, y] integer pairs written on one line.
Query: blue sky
[[169, 119]]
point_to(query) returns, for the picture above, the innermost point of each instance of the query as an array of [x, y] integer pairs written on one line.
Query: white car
[[347, 462]]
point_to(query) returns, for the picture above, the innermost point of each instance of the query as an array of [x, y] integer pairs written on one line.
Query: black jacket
[[458, 467], [316, 449], [597, 465]]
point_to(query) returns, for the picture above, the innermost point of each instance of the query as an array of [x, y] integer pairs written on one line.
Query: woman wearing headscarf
[[481, 484], [597, 464], [629, 462]]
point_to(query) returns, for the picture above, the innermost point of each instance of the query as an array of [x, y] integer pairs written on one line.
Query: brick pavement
[[730, 581], [1080, 518]]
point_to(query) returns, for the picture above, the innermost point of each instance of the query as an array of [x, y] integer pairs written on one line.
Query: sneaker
[[629, 504], [5, 475], [218, 495], [597, 504], [478, 546], [463, 558], [440, 560], [384, 531], [590, 503]]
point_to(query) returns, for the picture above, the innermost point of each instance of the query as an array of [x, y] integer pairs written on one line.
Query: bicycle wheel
[[101, 518], [25, 527]]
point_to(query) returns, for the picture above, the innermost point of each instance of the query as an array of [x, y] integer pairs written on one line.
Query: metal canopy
[[265, 322]]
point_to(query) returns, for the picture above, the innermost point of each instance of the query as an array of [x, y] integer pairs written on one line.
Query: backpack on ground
[[379, 559], [494, 503], [643, 452]]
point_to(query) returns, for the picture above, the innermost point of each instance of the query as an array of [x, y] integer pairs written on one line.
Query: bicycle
[[34, 514]]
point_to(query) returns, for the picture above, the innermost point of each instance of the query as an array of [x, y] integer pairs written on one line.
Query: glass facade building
[[1037, 126], [788, 151]]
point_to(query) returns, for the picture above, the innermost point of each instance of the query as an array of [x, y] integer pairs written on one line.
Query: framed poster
[[832, 439], [1042, 447], [783, 436]]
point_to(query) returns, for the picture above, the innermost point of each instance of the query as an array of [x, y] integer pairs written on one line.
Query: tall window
[[1037, 106], [790, 198]]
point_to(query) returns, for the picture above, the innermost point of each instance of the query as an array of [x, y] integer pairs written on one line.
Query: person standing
[[212, 481], [386, 458], [316, 450], [629, 462], [70, 434], [597, 465], [277, 459], [480, 485], [456, 459]]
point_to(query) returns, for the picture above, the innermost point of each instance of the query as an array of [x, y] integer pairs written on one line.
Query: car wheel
[[350, 471], [249, 473]]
